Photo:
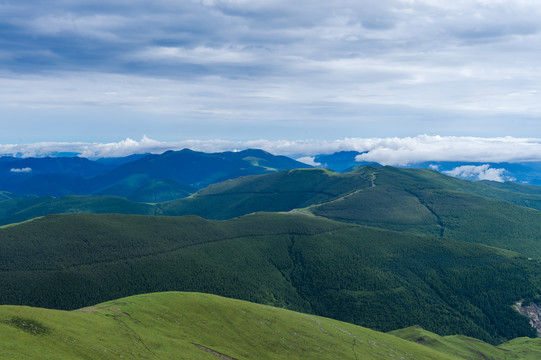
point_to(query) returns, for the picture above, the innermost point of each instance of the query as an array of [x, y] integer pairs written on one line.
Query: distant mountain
[[523, 173], [126, 176], [46, 176], [15, 210], [154, 191], [194, 168], [74, 167], [343, 161]]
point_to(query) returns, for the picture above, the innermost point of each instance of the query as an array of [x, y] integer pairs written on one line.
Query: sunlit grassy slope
[[195, 326], [469, 348]]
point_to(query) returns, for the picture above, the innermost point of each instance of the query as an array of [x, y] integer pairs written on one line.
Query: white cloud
[[21, 170], [309, 160], [434, 167], [365, 68], [198, 55], [386, 151], [480, 172], [409, 150]]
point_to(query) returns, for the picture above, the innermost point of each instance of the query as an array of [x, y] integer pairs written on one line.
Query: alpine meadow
[[270, 180]]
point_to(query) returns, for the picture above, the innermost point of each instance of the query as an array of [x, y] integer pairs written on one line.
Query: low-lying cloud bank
[[386, 151], [480, 172]]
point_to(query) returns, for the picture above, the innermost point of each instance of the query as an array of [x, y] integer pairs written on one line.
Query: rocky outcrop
[[533, 312]]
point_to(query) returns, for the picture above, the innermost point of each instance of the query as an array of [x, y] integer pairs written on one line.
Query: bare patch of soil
[[215, 353]]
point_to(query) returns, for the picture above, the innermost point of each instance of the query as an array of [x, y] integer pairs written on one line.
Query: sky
[[305, 72]]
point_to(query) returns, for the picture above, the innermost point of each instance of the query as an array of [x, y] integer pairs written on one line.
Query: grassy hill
[[190, 326], [413, 200], [196, 326], [469, 348], [280, 191], [376, 278], [423, 201]]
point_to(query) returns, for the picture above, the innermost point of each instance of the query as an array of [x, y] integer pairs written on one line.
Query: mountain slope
[[191, 326], [375, 278], [194, 168], [412, 200], [124, 176], [280, 191], [423, 201], [22, 209], [470, 348]]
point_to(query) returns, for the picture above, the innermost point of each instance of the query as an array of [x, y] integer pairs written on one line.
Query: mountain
[[282, 191], [376, 278], [155, 191], [177, 171], [47, 176], [342, 161], [194, 168], [524, 173], [22, 209], [74, 167], [413, 200]]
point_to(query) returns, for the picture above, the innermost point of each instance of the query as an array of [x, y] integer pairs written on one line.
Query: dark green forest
[[377, 278]]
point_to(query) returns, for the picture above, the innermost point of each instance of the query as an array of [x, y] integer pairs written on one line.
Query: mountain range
[[163, 177], [411, 251]]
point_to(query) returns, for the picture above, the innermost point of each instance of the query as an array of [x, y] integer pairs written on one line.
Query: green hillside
[[375, 278], [411, 200], [191, 326], [175, 325], [161, 190], [17, 210], [280, 191], [469, 348], [423, 201]]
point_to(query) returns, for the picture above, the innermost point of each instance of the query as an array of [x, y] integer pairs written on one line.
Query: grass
[[186, 326], [178, 325], [469, 348]]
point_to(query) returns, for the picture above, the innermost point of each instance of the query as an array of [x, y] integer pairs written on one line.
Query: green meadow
[[175, 325]]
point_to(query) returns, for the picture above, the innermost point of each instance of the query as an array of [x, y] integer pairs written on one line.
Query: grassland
[[196, 326]]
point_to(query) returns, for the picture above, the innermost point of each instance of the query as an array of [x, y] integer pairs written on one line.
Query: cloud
[[365, 68], [309, 160], [386, 151], [22, 170], [480, 172], [410, 150]]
